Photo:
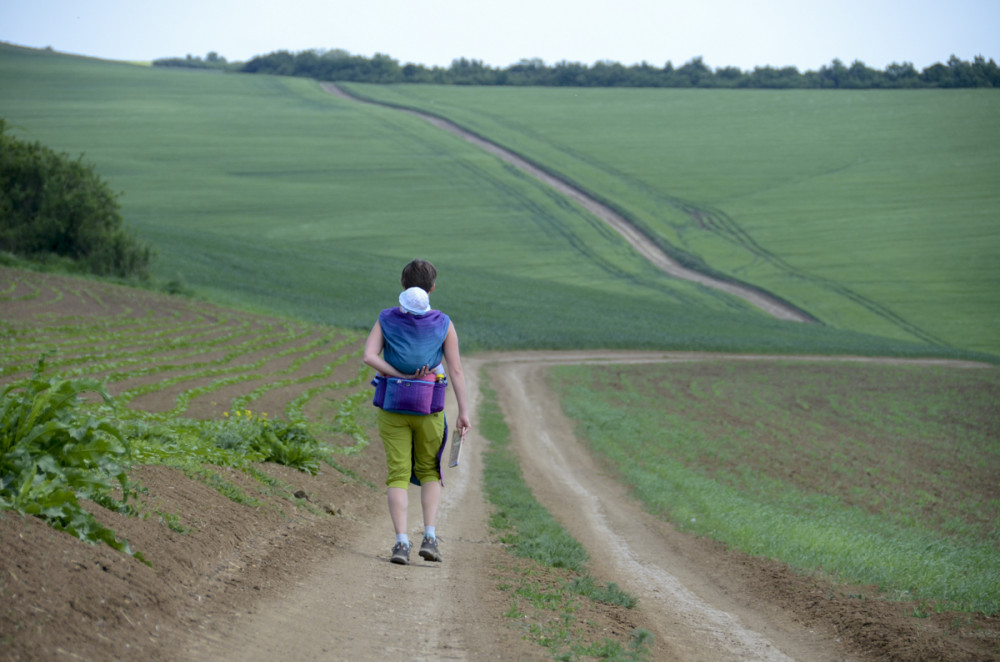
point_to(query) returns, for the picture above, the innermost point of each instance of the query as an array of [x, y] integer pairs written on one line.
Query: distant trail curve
[[619, 223]]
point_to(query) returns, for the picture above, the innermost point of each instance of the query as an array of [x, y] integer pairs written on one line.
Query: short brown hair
[[419, 273]]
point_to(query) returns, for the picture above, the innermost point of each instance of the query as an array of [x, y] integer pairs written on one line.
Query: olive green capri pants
[[412, 446]]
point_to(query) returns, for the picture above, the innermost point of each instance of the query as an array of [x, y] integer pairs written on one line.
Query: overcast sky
[[802, 33]]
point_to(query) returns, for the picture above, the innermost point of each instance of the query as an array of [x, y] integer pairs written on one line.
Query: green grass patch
[[872, 474], [526, 527]]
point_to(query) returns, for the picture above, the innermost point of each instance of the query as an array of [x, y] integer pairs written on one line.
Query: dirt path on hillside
[[356, 605], [647, 558], [619, 223], [697, 599]]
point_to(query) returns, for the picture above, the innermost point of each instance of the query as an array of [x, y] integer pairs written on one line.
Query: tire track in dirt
[[619, 223], [626, 545], [693, 607]]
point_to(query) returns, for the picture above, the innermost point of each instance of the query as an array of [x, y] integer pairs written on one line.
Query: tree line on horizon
[[339, 65]]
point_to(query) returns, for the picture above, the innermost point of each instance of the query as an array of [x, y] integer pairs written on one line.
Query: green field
[[874, 211], [879, 475], [266, 192]]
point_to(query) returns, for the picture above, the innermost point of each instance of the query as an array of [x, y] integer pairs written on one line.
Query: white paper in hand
[[456, 449]]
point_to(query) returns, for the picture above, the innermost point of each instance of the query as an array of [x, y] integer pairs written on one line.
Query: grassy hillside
[[873, 210], [269, 193]]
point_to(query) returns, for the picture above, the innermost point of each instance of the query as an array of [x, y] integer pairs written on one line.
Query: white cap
[[415, 301]]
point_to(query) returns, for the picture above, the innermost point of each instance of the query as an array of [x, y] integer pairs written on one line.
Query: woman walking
[[415, 343]]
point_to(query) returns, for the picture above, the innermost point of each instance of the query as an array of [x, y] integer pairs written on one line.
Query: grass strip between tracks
[[551, 591]]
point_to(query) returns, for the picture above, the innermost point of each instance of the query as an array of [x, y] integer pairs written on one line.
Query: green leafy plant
[[54, 453], [278, 441]]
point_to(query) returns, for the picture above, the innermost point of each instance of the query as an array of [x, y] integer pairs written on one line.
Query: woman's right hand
[[420, 373]]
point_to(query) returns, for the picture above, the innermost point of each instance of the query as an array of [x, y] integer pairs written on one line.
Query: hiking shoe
[[401, 553], [429, 549]]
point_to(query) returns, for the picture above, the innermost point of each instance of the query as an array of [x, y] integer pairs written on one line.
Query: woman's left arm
[[453, 360]]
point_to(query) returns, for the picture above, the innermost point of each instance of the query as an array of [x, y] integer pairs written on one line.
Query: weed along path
[[620, 224]]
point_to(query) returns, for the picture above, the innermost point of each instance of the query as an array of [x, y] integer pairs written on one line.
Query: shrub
[[51, 204]]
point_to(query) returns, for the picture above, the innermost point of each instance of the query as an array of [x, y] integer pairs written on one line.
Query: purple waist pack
[[409, 396]]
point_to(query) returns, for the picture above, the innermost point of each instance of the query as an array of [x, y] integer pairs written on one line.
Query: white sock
[[403, 538], [429, 531]]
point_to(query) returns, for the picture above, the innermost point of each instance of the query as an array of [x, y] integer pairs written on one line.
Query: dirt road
[[627, 545], [355, 605], [619, 223]]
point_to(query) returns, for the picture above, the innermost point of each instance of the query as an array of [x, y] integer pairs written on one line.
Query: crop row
[[167, 357]]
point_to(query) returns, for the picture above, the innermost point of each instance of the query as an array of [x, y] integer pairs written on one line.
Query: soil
[[311, 579]]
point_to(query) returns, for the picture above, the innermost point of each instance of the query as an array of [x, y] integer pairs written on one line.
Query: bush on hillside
[[51, 204]]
